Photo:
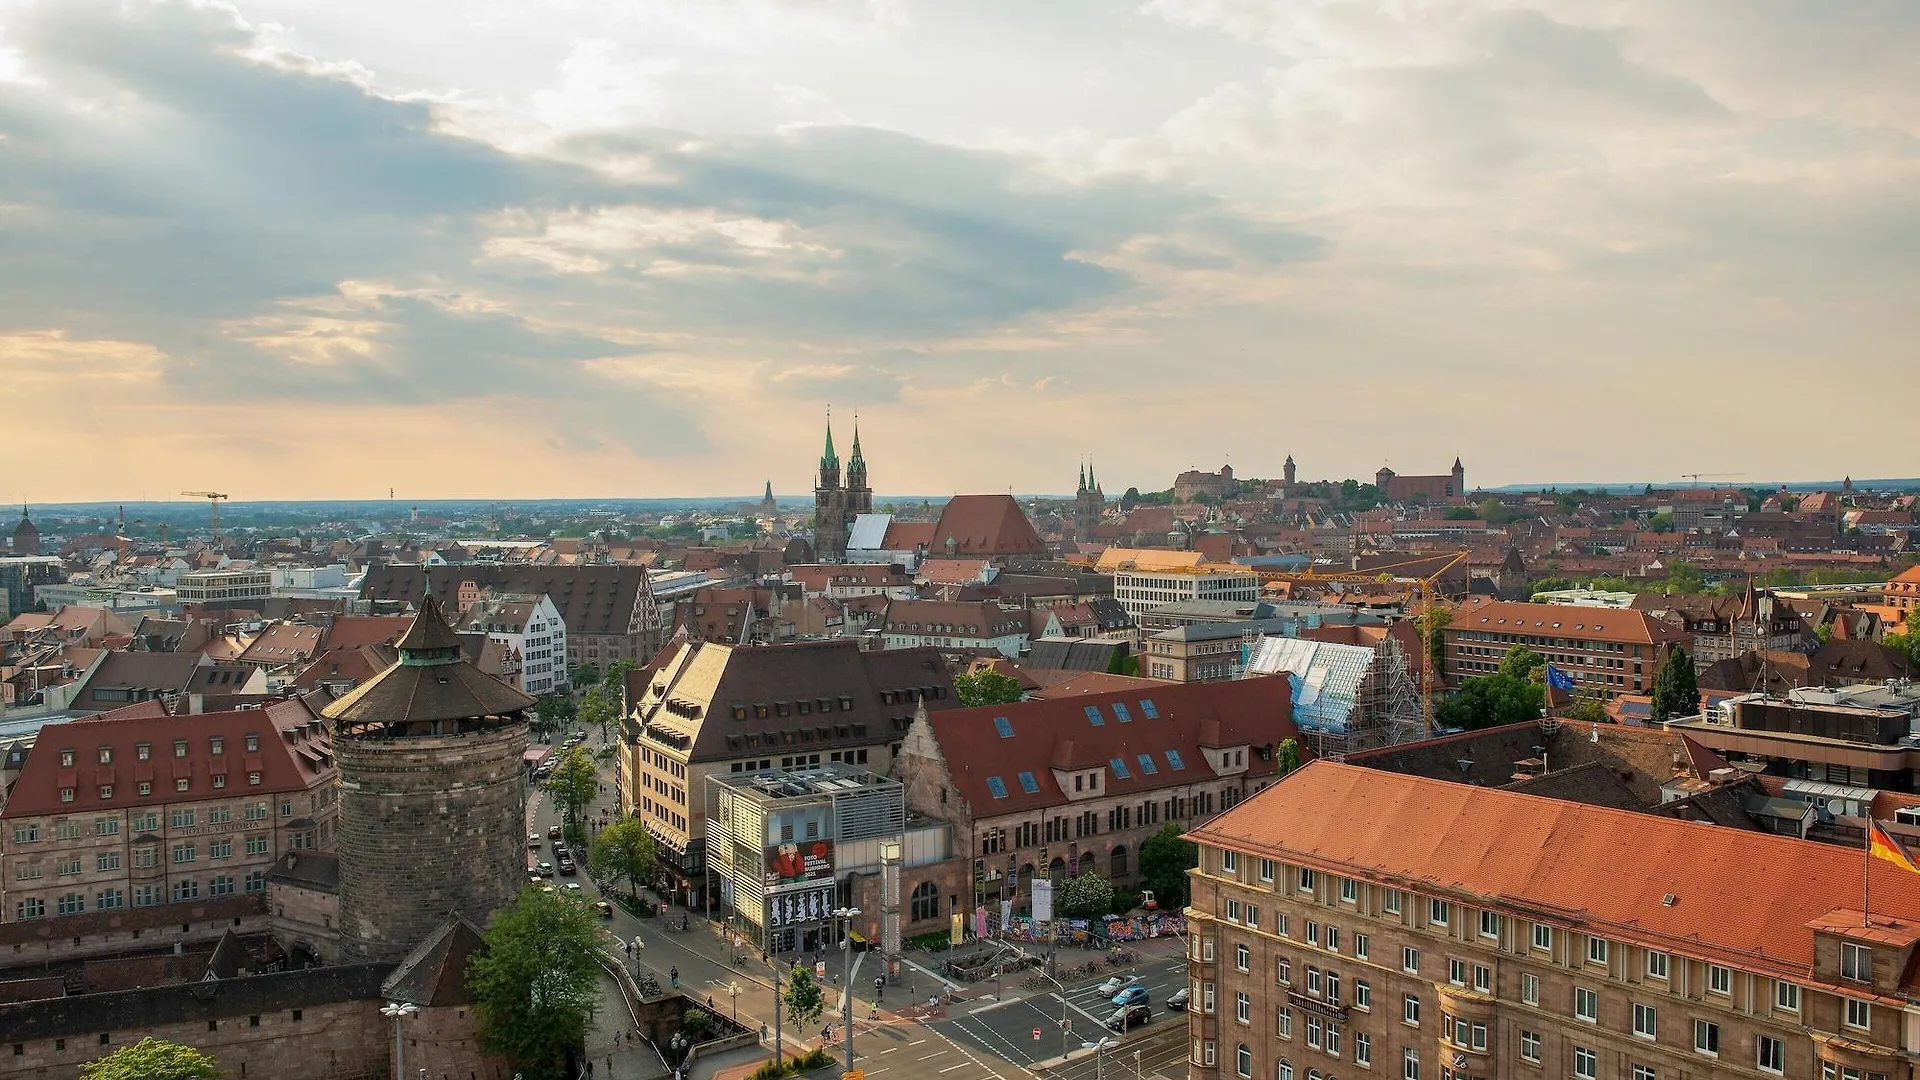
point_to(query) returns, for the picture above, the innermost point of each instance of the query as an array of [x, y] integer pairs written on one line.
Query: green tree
[[1552, 584], [1521, 662], [803, 998], [1676, 691], [1588, 709], [1824, 632], [555, 711], [986, 687], [537, 983], [600, 709], [152, 1059], [1661, 522], [1130, 500], [586, 675], [573, 783], [1164, 861], [625, 851], [1286, 757], [1907, 642], [1491, 701], [1122, 663], [1088, 896], [1461, 513]]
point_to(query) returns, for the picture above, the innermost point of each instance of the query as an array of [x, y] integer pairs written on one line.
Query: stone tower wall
[[427, 825]]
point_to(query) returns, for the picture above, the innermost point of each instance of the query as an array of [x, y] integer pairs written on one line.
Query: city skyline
[[288, 250]]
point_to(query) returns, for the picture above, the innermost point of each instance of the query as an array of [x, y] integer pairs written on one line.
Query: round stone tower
[[432, 795]]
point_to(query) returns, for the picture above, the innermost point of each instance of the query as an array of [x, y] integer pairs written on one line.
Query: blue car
[[1132, 995]]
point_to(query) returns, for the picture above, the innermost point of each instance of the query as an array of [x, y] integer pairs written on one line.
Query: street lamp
[[1098, 1061], [398, 1011], [679, 1044], [846, 987], [734, 989]]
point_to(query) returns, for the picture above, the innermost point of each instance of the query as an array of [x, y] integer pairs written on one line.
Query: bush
[[807, 1062]]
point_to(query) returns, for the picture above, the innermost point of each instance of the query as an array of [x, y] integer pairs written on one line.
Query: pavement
[[971, 1032]]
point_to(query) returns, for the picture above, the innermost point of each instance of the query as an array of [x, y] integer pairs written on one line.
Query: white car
[[572, 887], [1116, 984]]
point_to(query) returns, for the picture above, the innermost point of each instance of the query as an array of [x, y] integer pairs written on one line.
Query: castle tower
[[432, 796], [1290, 473], [769, 508], [1459, 479], [26, 535]]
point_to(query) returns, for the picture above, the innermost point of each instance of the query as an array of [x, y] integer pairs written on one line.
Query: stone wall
[[427, 825], [301, 1025], [63, 939], [306, 919]]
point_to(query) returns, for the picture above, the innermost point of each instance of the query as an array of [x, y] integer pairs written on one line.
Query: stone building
[[1089, 504], [1354, 922], [432, 797], [836, 505], [608, 609], [26, 536], [1194, 482], [1449, 487]]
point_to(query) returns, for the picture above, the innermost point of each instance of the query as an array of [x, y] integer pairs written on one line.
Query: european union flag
[[1557, 679]]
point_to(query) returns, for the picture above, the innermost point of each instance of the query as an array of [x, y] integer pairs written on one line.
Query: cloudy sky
[[293, 248]]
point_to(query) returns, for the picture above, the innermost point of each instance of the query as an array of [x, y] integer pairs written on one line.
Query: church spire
[[829, 459], [1092, 484], [1083, 478], [856, 437]]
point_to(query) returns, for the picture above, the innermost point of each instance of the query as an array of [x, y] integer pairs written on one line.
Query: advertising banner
[[957, 933], [798, 863], [809, 906], [1042, 899]]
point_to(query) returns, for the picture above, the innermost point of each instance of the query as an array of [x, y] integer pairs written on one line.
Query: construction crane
[[1696, 476], [213, 502]]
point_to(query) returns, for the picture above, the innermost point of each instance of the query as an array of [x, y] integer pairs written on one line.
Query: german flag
[[1881, 844]]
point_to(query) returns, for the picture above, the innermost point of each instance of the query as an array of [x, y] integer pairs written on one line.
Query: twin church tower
[[835, 505]]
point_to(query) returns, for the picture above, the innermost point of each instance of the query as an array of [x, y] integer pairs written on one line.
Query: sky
[[510, 248]]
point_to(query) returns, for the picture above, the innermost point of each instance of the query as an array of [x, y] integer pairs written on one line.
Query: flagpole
[[1866, 875]]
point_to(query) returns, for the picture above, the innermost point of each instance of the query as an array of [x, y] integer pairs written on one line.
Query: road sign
[[1036, 1034]]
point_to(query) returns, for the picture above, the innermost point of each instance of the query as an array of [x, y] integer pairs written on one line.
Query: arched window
[[1284, 1072], [1118, 864], [1087, 865], [1058, 871], [1243, 1060], [926, 902]]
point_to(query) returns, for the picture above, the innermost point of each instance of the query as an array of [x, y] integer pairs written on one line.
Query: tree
[[1676, 691], [538, 981], [1588, 709], [1460, 513], [1824, 632], [625, 851], [1286, 757], [599, 709], [1661, 522], [1491, 701], [555, 711], [986, 687], [152, 1059], [1130, 500], [587, 674], [1908, 640], [1521, 662], [573, 783], [1164, 861], [803, 998], [1088, 896], [1123, 663]]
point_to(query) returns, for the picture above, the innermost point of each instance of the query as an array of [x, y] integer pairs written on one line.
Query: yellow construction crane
[[213, 502]]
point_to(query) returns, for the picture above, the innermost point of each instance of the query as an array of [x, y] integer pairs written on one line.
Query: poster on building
[[792, 864], [1042, 899], [957, 933], [790, 908]]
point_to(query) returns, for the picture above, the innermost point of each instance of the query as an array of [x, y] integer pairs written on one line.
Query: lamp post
[[734, 989], [1098, 1049], [846, 987], [399, 1011]]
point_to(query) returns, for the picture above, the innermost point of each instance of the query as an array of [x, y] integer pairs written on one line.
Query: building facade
[[971, 625], [1138, 591], [609, 609], [224, 588], [835, 504], [1608, 652], [1089, 505], [116, 813], [1349, 922], [20, 578], [1444, 488], [528, 626]]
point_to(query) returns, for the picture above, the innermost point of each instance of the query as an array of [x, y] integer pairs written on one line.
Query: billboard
[[1042, 899], [808, 906], [797, 863]]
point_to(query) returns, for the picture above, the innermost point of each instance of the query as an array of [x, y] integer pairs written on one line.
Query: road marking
[[916, 1042], [889, 1049], [881, 1069], [962, 1065], [930, 1057]]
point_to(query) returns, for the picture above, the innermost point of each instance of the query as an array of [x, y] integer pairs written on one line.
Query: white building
[[529, 627], [1140, 590]]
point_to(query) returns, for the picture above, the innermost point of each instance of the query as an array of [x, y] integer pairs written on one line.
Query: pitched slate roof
[[435, 972], [1044, 734], [1603, 870]]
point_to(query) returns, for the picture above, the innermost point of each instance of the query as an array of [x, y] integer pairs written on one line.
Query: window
[[1283, 971], [182, 819], [1028, 784], [1094, 718], [1490, 924], [1313, 933], [1230, 862], [1306, 880], [1530, 989], [1482, 978], [31, 908], [143, 751], [1586, 1065], [1362, 1048], [70, 904], [1004, 726], [1147, 766], [1206, 997], [1313, 981], [1410, 1010], [1456, 971], [1856, 962], [1706, 1038], [26, 834], [1333, 939], [1410, 960], [257, 881], [1530, 1047], [1253, 916], [997, 787], [179, 748], [925, 903], [1233, 910], [1596, 950], [1770, 1054], [1206, 1053], [1410, 1064], [1333, 1038], [1543, 936], [1243, 1060], [1283, 1023], [1719, 979], [1349, 891], [1586, 1005], [253, 779], [106, 826], [1362, 995], [256, 845], [1644, 1072], [1362, 947], [106, 860], [253, 743], [1859, 1014], [1438, 912], [66, 758], [1243, 1008], [1646, 1021], [110, 899], [1390, 903], [1656, 964], [183, 853], [1241, 957], [1284, 1072], [186, 890], [221, 886], [1316, 1031], [1786, 995], [1266, 869]]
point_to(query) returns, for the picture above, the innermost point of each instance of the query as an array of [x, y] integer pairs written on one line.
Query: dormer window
[[66, 759], [1856, 962], [253, 743], [218, 745], [179, 748], [106, 755], [143, 751]]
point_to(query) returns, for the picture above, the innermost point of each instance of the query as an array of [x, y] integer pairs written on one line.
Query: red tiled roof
[[1739, 897], [353, 631], [907, 535], [282, 643], [985, 525], [1182, 717], [1566, 620], [291, 739]]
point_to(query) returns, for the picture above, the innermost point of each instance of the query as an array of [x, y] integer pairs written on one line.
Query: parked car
[[1179, 999], [572, 887], [1132, 995], [553, 832], [567, 869], [545, 869], [605, 909], [1116, 984], [533, 840], [1129, 1016]]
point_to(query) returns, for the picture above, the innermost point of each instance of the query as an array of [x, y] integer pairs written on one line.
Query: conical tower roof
[[828, 457], [432, 682], [429, 637], [856, 439]]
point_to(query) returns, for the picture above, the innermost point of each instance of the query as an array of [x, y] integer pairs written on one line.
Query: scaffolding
[[1346, 698]]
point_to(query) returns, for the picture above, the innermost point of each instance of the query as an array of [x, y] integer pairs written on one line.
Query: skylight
[[1147, 710], [1121, 714], [1147, 767], [1120, 769], [1004, 726], [1173, 760], [997, 786], [1093, 716], [1028, 784]]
